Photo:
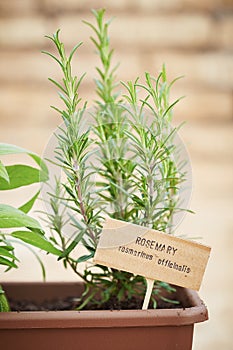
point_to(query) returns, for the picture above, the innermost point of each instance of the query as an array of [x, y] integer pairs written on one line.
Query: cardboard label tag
[[152, 254]]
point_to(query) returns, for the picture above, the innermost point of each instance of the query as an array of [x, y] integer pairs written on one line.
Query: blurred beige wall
[[194, 38]]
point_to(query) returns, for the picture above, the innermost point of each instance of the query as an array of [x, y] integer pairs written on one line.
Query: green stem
[[4, 305]]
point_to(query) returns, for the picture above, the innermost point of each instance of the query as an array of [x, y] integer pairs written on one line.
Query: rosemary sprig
[[110, 128], [73, 153], [157, 177], [139, 178]]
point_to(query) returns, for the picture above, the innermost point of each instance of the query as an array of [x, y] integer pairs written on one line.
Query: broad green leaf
[[20, 175], [3, 173], [28, 206], [36, 240], [7, 247], [6, 149], [5, 252], [7, 262], [12, 217], [39, 231], [44, 174]]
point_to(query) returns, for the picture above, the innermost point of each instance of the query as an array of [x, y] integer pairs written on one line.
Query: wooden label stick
[[149, 289], [152, 254]]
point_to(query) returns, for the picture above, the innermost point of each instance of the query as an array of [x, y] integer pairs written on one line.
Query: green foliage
[[20, 175], [157, 177], [7, 149], [4, 306], [36, 240], [26, 207], [138, 176], [12, 177], [3, 173], [106, 81], [118, 286], [12, 217]]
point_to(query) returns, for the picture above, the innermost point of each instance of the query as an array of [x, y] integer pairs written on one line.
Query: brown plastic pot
[[100, 330]]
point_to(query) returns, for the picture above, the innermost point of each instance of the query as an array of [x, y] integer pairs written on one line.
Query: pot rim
[[197, 312]]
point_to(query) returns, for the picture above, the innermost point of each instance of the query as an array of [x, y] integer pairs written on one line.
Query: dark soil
[[47, 305], [71, 303]]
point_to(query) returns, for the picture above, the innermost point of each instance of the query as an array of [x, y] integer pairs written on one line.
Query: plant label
[[152, 254]]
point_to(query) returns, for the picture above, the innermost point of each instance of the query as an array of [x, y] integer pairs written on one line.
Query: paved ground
[[210, 148]]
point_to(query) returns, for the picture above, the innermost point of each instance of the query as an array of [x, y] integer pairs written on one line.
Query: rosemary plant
[[139, 178]]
